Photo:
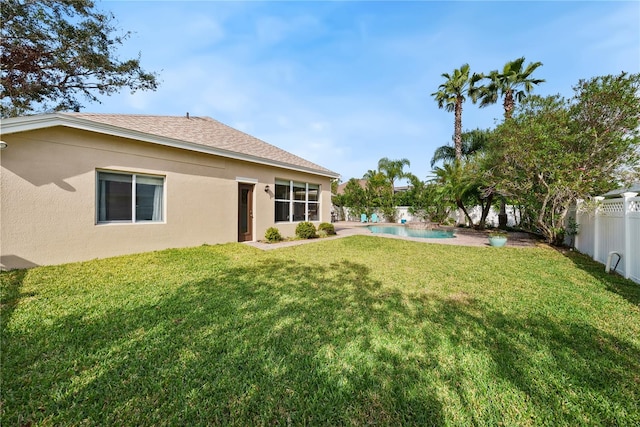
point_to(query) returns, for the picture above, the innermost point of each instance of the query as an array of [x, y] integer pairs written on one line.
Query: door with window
[[245, 212]]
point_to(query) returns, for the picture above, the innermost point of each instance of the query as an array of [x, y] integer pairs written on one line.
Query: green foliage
[[459, 184], [553, 150], [333, 333], [378, 192], [474, 142], [355, 197], [478, 187], [306, 230], [272, 235], [513, 84], [55, 51], [425, 202], [327, 228]]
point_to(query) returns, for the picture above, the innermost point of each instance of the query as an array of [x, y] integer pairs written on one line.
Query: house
[[76, 186], [618, 192]]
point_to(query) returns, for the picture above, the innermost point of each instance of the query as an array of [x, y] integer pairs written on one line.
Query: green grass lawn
[[355, 331]]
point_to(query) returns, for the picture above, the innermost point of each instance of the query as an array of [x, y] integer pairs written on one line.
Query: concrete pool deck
[[463, 237]]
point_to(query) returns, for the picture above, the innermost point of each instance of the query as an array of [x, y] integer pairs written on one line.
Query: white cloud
[[344, 84]]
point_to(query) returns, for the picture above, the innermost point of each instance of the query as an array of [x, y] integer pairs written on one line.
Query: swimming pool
[[401, 230]]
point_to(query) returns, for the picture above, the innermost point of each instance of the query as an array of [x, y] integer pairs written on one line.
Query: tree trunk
[[508, 104], [464, 212], [486, 207], [502, 216], [457, 129]]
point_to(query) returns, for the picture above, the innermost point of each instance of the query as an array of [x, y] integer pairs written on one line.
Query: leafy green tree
[[379, 194], [452, 94], [355, 197], [426, 202], [513, 85], [605, 115], [554, 150], [54, 51]]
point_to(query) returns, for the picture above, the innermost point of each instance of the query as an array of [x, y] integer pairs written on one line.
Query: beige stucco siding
[[48, 197]]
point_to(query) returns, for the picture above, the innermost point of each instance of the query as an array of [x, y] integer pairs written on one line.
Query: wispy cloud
[[347, 83]]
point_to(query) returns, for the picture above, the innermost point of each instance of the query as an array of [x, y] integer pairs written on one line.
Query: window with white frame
[[297, 201], [125, 197]]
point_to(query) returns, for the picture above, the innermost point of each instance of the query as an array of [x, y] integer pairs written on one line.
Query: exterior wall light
[[266, 188], [3, 145]]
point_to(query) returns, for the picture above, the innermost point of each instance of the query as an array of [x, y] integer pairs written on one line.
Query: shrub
[[272, 235], [306, 230], [327, 228]]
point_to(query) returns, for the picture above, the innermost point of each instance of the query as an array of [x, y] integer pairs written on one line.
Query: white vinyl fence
[[612, 228], [402, 213]]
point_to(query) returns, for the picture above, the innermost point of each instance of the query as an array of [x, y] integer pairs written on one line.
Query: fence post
[[627, 234], [576, 237], [596, 228]]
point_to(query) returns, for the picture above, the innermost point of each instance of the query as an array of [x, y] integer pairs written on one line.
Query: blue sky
[[344, 84]]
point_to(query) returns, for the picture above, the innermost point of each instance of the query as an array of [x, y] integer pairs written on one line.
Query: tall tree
[[553, 150], [393, 170], [354, 197], [452, 94], [377, 189], [513, 85], [54, 51]]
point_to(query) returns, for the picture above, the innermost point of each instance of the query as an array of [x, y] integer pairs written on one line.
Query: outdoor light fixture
[[3, 145], [266, 188]]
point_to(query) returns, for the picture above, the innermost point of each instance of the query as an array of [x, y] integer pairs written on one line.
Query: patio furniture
[[374, 218], [363, 218]]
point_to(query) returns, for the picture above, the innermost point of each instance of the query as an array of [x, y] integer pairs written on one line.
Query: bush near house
[[327, 229], [306, 230], [273, 235]]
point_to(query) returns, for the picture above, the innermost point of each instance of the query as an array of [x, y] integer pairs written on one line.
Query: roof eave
[[29, 123]]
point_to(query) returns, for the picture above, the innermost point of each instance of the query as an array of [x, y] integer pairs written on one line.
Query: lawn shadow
[[235, 349], [568, 373], [11, 293], [276, 342], [626, 288]]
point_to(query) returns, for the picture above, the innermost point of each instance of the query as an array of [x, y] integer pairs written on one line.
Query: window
[[297, 201], [130, 197]]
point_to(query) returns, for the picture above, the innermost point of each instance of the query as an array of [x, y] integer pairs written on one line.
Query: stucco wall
[[48, 197]]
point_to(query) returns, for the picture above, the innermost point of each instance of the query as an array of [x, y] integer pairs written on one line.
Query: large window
[[130, 197], [297, 201]]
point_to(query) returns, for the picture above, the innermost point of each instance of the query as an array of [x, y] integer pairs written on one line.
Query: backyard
[[355, 331]]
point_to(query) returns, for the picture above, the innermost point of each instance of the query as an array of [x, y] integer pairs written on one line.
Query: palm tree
[[473, 141], [456, 185], [513, 84], [452, 94], [393, 169]]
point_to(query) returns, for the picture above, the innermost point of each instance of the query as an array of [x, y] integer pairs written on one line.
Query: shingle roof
[[341, 187], [633, 188], [203, 131]]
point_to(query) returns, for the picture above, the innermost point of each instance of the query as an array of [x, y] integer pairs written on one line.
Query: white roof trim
[[28, 123]]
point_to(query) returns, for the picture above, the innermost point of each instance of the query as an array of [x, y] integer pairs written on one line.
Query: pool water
[[400, 230]]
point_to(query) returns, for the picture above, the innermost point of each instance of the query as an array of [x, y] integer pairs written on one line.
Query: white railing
[[613, 227]]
